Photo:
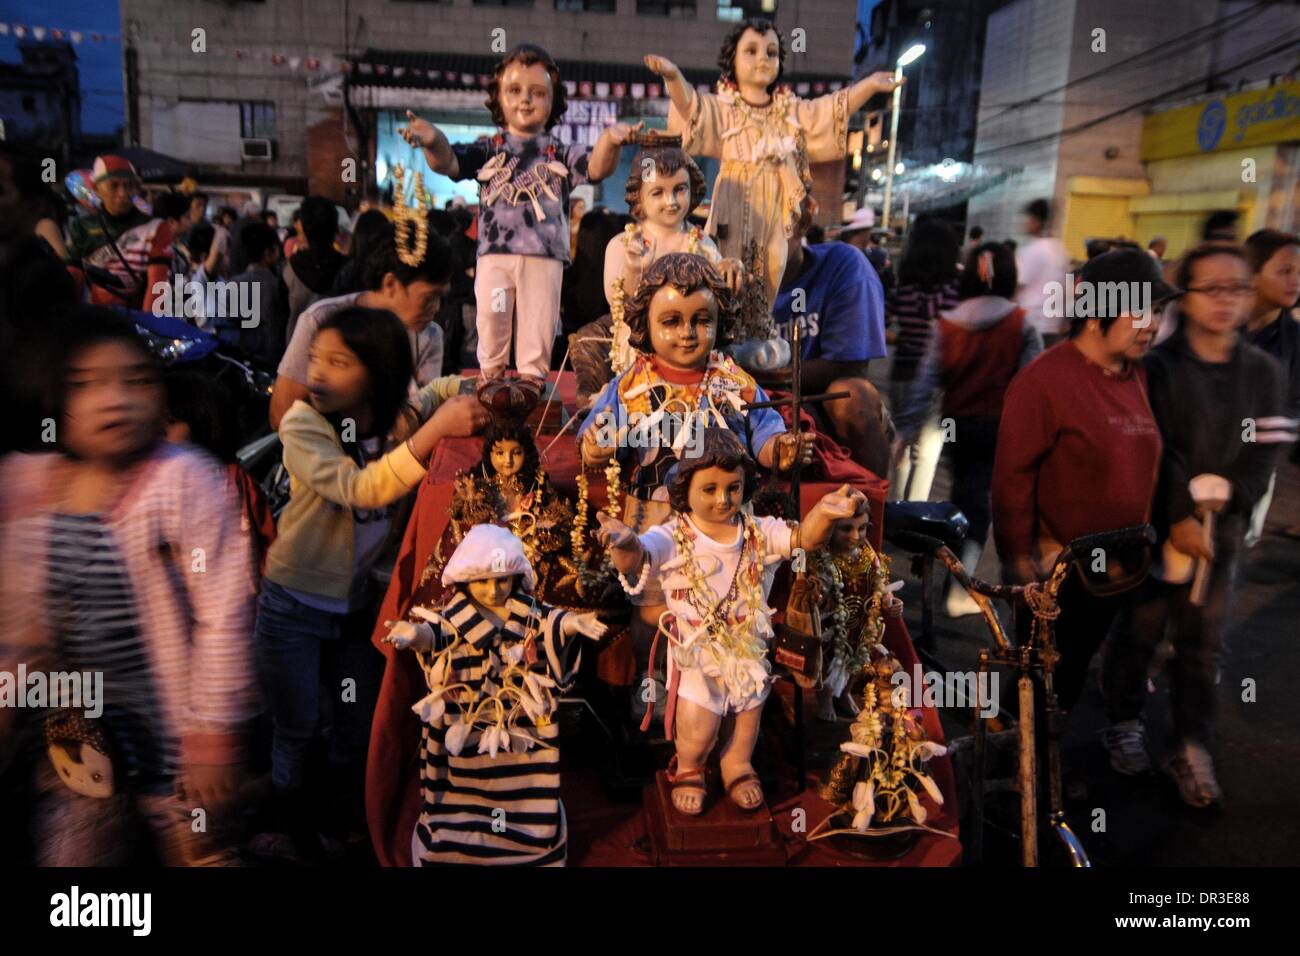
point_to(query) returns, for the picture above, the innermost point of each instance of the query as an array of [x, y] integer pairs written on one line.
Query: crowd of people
[[135, 545], [1066, 423]]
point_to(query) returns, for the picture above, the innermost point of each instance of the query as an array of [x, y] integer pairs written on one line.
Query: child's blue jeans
[[295, 662]]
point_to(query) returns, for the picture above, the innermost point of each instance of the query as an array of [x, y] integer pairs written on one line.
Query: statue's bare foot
[[826, 708], [745, 789]]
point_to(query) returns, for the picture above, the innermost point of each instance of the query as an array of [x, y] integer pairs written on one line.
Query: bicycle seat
[[915, 526]]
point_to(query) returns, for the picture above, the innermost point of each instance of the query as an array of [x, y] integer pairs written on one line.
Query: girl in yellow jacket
[[353, 450]]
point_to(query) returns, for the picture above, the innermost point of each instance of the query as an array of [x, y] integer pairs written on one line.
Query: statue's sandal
[[740, 781], [682, 782]]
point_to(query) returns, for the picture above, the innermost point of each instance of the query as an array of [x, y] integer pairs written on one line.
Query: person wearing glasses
[[1273, 326], [1218, 403]]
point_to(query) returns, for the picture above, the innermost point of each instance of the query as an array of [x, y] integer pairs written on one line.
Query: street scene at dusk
[[745, 435]]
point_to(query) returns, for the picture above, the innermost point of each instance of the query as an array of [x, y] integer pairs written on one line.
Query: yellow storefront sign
[[1222, 122]]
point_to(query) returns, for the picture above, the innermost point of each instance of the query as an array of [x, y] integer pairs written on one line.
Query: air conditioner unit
[[261, 149]]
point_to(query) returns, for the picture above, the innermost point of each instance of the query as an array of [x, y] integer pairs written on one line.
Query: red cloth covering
[[392, 778], [831, 460]]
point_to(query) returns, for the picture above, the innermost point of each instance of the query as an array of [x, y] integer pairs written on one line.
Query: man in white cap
[[860, 232], [119, 251]]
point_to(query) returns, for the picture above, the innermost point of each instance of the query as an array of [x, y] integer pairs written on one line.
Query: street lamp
[[910, 55]]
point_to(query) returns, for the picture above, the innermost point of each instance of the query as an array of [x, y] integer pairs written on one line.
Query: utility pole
[[131, 71]]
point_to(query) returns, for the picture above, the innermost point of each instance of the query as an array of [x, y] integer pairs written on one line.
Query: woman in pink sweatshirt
[[124, 561]]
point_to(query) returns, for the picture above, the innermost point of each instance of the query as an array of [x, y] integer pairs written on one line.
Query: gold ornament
[[587, 579], [853, 650], [404, 216]]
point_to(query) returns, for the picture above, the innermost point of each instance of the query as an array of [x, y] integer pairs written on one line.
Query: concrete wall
[[1131, 27], [161, 31], [1026, 52], [1260, 30], [1053, 42]]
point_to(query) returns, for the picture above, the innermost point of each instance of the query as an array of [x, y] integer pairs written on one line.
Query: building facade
[[1067, 91], [40, 97], [1238, 151], [287, 92]]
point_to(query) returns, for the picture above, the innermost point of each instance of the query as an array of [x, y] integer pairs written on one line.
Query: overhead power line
[[1252, 57], [1240, 16]]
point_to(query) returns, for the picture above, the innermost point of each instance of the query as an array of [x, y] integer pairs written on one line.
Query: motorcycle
[[177, 343]]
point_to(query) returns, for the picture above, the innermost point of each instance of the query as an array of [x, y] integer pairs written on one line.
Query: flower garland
[[587, 579], [512, 692], [724, 386], [404, 216], [729, 641], [850, 653], [499, 179], [881, 777], [782, 99]]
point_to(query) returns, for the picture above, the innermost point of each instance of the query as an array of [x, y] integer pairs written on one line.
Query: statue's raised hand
[[419, 133], [585, 624], [615, 535], [884, 81], [409, 634], [842, 502], [662, 66], [623, 133]]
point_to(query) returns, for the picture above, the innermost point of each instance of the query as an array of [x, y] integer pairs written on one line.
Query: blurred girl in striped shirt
[[927, 285], [123, 556]]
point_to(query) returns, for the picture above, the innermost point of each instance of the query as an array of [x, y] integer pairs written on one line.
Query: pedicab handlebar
[[1079, 550]]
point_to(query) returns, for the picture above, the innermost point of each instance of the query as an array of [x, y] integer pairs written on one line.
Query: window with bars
[[665, 8], [735, 11], [586, 6], [257, 120]]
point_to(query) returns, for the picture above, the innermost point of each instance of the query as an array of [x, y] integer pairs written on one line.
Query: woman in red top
[[1078, 452]]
